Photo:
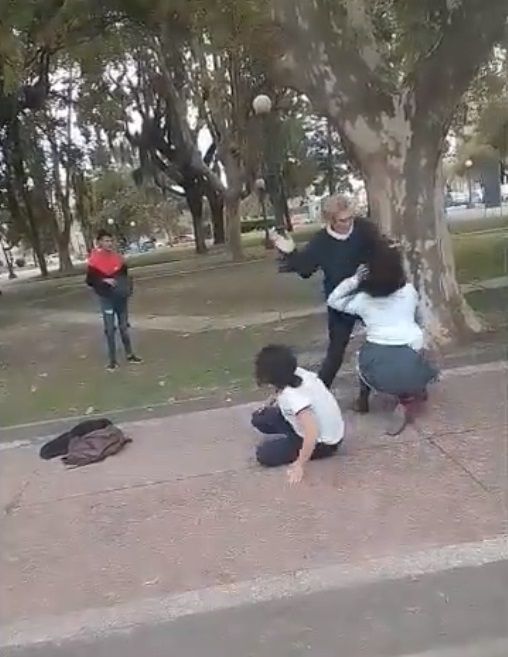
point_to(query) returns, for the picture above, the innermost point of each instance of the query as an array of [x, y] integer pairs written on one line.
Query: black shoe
[[134, 359], [112, 367]]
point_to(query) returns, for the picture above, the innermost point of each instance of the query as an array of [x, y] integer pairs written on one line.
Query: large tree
[[389, 74]]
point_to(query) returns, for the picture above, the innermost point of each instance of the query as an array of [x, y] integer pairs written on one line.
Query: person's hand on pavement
[[295, 473], [282, 243]]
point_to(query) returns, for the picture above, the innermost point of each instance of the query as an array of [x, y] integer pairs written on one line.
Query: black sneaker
[[134, 360], [112, 367]]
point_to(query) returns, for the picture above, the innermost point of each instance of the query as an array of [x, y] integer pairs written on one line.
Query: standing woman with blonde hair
[[337, 250]]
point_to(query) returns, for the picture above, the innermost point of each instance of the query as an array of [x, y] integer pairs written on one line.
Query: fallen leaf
[[151, 582]]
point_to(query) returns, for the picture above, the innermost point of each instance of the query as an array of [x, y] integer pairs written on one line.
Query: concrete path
[[488, 284], [191, 323], [174, 539], [458, 612]]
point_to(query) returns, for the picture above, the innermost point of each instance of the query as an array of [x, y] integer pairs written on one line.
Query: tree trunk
[[21, 193], [406, 197], [63, 243], [194, 198], [64, 256], [287, 214], [87, 232], [61, 239], [18, 195], [216, 202], [35, 241], [62, 228], [234, 227]]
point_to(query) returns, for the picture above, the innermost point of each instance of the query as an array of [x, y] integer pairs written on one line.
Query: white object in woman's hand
[[282, 243]]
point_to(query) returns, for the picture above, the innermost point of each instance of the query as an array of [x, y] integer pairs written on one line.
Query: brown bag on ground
[[95, 446]]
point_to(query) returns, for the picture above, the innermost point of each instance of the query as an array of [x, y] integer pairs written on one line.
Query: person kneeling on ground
[[303, 415], [391, 361]]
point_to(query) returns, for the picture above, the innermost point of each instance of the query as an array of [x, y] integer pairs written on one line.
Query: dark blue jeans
[[285, 448], [116, 311], [340, 327]]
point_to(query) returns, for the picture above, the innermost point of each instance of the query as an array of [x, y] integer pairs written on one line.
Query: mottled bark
[[408, 204], [232, 197], [234, 232]]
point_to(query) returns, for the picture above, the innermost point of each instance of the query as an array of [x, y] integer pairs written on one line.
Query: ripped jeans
[[116, 311]]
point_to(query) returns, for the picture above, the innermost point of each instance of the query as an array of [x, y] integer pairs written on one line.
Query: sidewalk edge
[[94, 623]]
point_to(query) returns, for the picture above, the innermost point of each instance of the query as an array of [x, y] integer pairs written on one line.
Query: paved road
[[454, 613]]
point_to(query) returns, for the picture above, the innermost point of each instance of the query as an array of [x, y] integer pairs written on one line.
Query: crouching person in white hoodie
[[391, 361]]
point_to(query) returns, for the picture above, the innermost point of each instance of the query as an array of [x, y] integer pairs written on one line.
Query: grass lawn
[[52, 368], [481, 256], [59, 371]]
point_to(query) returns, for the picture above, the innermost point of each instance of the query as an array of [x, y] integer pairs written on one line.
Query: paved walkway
[[192, 323], [185, 508]]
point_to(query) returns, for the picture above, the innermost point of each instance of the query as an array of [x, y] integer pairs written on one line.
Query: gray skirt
[[394, 370]]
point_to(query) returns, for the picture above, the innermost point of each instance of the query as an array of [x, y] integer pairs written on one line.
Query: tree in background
[[481, 128], [32, 34], [325, 149], [135, 210]]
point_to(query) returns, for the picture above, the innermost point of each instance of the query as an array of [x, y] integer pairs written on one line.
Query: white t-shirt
[[313, 394], [388, 320]]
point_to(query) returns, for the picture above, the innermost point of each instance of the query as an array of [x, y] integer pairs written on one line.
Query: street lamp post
[[469, 165], [263, 106], [133, 227], [261, 190]]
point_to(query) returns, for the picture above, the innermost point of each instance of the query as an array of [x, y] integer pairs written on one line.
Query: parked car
[[147, 245], [455, 199]]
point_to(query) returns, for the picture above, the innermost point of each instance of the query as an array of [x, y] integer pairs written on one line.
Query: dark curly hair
[[276, 365], [386, 272]]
